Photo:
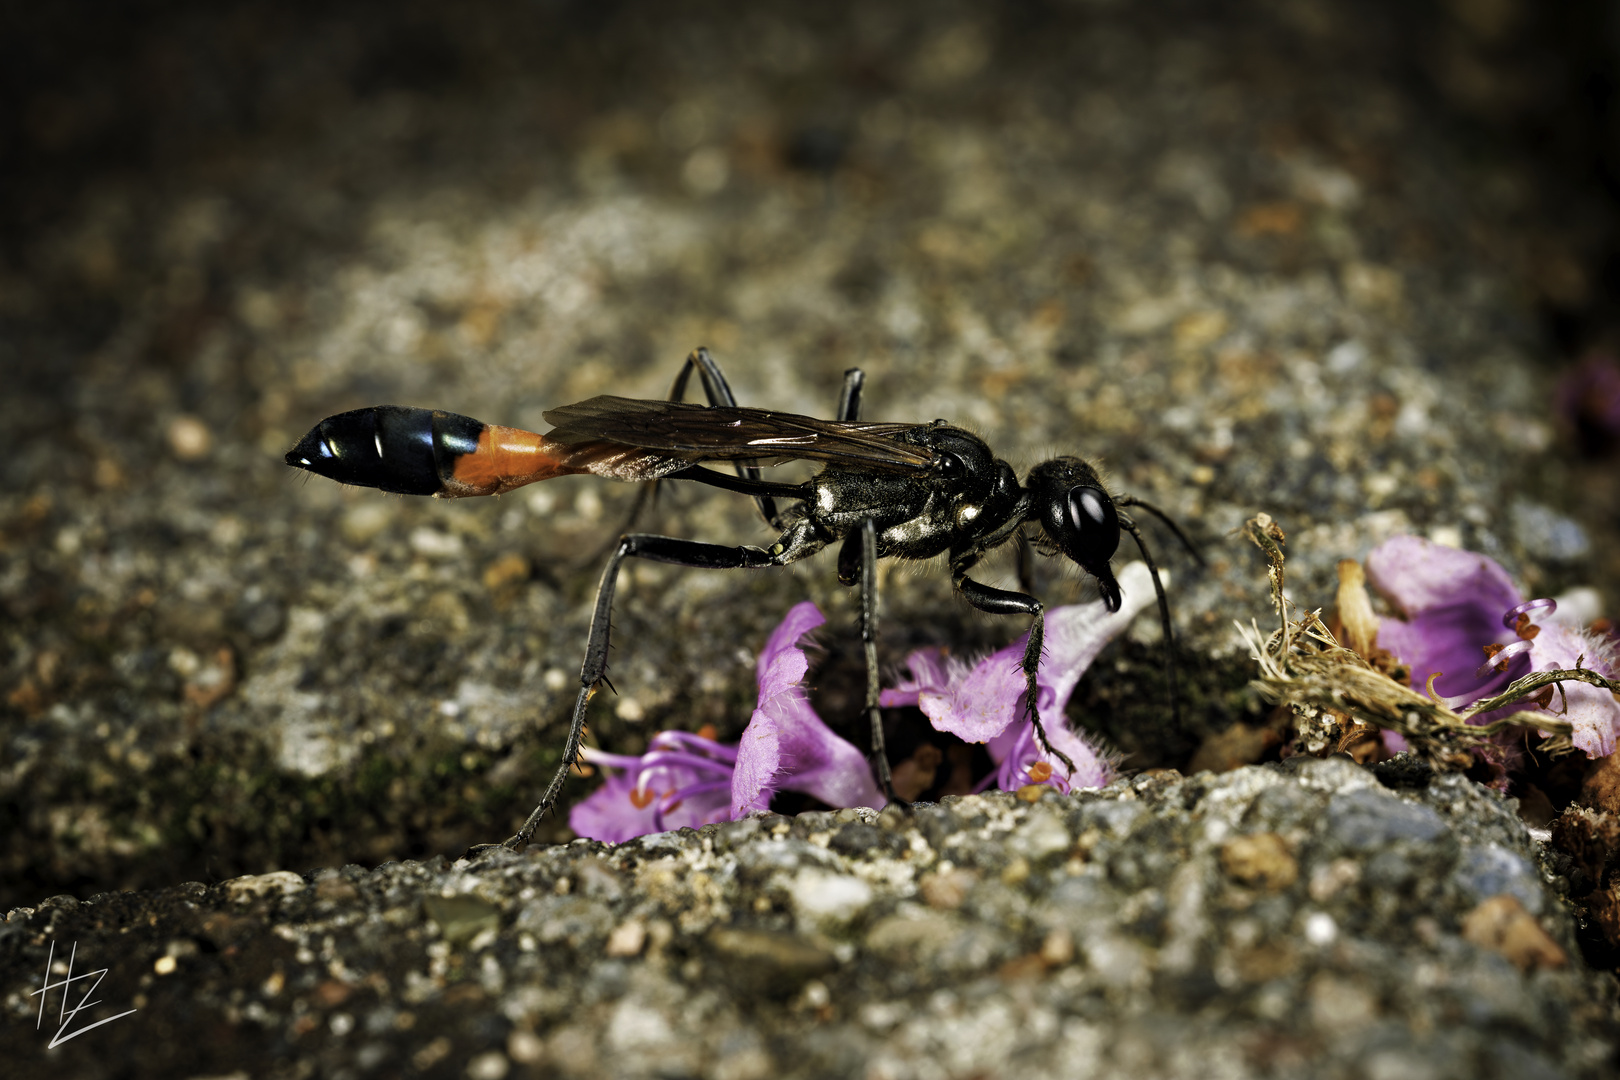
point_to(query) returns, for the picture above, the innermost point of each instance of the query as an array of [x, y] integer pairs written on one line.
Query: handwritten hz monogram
[[68, 1016]]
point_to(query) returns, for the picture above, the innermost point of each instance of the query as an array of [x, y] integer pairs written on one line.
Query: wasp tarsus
[[886, 490]]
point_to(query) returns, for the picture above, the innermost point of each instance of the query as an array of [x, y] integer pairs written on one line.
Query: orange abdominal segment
[[508, 458]]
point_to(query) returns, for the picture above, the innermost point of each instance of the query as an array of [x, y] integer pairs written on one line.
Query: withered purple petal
[[686, 779], [1591, 710], [1453, 602], [786, 747], [782, 663]]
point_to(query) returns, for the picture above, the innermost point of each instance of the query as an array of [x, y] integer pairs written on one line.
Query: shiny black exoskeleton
[[908, 491], [941, 492], [389, 447]]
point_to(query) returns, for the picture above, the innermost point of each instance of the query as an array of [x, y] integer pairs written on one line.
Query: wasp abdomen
[[432, 452], [392, 447]]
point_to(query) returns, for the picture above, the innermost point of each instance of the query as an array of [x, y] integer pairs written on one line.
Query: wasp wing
[[693, 433]]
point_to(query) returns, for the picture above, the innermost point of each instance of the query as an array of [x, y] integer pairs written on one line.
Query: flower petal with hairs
[[786, 747], [980, 703], [1591, 710], [690, 780]]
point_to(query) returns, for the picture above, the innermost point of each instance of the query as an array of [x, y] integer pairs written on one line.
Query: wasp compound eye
[[1095, 525]]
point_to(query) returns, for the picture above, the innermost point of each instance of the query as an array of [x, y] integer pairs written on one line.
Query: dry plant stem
[[1303, 666], [1519, 689], [1269, 538]]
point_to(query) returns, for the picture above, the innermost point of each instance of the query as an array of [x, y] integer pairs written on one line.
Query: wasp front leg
[[1003, 602], [857, 562]]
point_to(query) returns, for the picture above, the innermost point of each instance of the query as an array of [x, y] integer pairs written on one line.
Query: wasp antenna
[[1164, 614], [1132, 500]]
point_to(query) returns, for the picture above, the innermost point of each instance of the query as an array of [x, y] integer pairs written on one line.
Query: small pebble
[[189, 438]]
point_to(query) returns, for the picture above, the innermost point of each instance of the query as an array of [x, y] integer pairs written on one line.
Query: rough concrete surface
[[1305, 922], [1317, 259]]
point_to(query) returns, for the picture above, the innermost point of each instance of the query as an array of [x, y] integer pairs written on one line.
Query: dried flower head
[[1447, 598]]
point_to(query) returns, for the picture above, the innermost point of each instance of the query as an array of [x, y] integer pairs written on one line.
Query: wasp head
[[1079, 518]]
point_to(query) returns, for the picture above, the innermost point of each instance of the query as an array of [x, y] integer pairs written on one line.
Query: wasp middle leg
[[861, 546]]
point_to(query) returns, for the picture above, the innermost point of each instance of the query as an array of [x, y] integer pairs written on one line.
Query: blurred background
[[1352, 264]]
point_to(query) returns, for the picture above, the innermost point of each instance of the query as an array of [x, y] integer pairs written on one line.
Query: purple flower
[[682, 780], [691, 780], [1460, 607], [786, 747], [983, 702], [1451, 603]]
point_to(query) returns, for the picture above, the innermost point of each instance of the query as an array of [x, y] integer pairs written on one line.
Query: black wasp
[[886, 490]]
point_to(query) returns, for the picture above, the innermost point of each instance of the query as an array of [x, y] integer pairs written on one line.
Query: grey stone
[[1368, 819], [1070, 970], [1491, 870]]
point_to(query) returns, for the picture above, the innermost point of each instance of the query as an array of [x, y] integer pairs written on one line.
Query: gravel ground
[[1278, 922], [1320, 260]]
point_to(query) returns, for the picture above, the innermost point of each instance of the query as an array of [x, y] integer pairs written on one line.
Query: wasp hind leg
[[849, 399], [593, 673], [718, 392]]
